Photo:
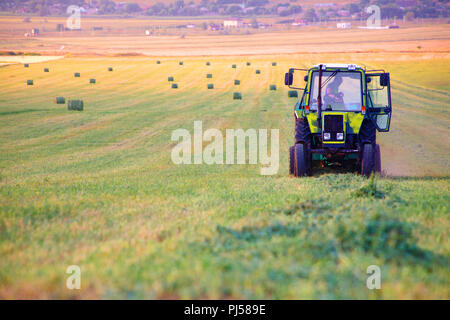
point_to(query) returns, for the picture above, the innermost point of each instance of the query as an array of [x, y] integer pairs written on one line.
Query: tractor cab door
[[379, 107]]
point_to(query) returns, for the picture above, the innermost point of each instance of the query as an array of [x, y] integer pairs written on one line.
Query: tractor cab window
[[341, 91]]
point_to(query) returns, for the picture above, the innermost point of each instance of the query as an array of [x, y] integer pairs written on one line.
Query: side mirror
[[288, 78], [384, 79], [306, 78]]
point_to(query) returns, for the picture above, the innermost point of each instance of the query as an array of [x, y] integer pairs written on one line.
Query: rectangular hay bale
[[233, 66], [110, 69], [30, 82], [257, 71], [273, 87], [76, 74], [170, 79], [237, 96], [92, 81], [292, 94], [237, 82], [274, 64], [209, 76], [210, 86], [208, 63], [46, 70], [26, 65], [174, 86], [60, 100], [77, 105]]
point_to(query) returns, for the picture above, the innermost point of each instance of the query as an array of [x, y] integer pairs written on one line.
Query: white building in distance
[[233, 23], [343, 25]]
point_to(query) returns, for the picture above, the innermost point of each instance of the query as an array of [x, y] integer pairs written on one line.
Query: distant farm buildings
[[233, 23], [343, 25]]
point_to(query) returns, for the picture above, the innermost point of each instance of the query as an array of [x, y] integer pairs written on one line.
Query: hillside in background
[[308, 3], [308, 10]]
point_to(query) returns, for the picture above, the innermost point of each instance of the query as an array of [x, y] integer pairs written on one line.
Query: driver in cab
[[332, 94]]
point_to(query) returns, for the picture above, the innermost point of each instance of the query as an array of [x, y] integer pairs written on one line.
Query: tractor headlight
[[326, 136], [340, 136]]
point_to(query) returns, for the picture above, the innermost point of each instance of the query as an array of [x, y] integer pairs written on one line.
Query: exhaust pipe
[[319, 99]]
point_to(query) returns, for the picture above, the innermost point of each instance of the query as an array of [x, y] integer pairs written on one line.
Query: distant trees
[[409, 16], [389, 8], [106, 7], [132, 8], [310, 15], [257, 3]]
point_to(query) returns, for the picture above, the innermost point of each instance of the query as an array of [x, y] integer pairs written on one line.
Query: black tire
[[377, 160], [291, 160], [302, 131], [367, 163], [300, 160], [367, 132], [308, 156]]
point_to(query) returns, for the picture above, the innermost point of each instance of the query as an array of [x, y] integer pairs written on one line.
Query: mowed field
[[98, 188]]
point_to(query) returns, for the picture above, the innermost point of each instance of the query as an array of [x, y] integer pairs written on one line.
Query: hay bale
[[30, 82], [181, 63], [77, 105], [46, 70], [110, 69], [158, 62], [207, 63], [273, 87], [170, 79], [210, 86], [237, 82], [60, 100], [233, 66], [292, 94], [91, 80], [258, 71], [209, 76], [76, 74], [26, 65], [274, 64], [237, 96], [248, 63], [174, 86]]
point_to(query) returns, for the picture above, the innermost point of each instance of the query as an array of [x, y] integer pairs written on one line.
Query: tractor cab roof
[[338, 66]]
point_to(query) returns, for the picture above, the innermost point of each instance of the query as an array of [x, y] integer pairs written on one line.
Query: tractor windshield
[[341, 91]]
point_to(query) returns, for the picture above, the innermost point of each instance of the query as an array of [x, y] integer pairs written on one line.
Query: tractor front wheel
[[291, 160], [300, 160], [367, 163]]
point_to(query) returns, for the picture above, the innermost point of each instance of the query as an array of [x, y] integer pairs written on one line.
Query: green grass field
[[98, 188]]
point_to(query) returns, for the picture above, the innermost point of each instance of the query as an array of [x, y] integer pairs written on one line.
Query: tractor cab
[[342, 107]]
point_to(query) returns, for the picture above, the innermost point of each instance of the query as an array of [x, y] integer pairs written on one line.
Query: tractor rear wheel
[[377, 162], [367, 163], [291, 160], [300, 160]]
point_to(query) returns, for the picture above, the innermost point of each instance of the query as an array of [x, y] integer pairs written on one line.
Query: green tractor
[[336, 125]]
